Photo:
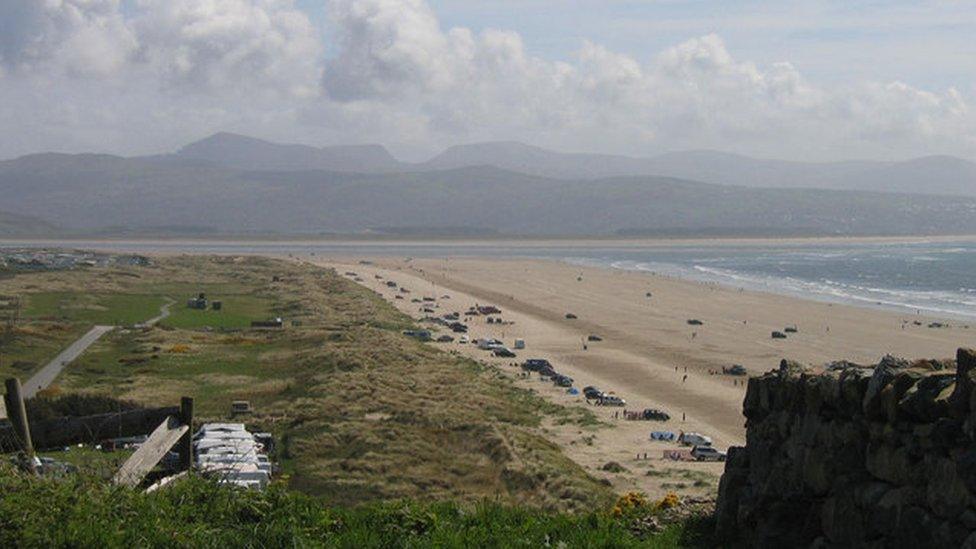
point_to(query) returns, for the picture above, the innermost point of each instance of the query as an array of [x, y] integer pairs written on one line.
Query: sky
[[793, 80]]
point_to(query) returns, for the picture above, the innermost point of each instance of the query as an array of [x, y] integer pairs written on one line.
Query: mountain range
[[232, 184], [943, 175]]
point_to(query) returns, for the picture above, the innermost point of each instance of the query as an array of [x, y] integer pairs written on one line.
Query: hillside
[[943, 175], [13, 225], [107, 194], [248, 153], [356, 417]]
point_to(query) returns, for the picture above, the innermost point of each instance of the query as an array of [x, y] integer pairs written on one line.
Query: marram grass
[[81, 512]]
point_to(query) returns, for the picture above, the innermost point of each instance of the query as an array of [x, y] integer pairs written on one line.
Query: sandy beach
[[649, 354]]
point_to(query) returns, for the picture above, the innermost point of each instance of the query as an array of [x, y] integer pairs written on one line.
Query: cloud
[[387, 70], [78, 37], [221, 45]]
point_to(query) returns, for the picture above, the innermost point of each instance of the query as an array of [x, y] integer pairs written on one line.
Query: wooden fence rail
[[58, 433]]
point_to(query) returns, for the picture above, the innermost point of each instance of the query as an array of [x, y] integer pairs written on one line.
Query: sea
[[934, 278]]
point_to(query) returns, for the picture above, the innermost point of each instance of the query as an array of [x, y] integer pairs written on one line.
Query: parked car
[[591, 392], [694, 439], [445, 339], [458, 327], [654, 414], [735, 370], [594, 337], [547, 371], [662, 435], [695, 322], [791, 329], [571, 316], [611, 400], [535, 364], [464, 339], [707, 453], [422, 335], [503, 352], [778, 335], [562, 381], [488, 344]]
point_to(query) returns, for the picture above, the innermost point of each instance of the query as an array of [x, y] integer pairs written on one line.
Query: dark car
[[654, 414], [611, 400], [503, 352], [736, 370], [536, 364], [778, 335], [445, 339], [458, 327], [571, 316], [695, 322], [594, 337], [562, 381], [707, 453], [592, 392]]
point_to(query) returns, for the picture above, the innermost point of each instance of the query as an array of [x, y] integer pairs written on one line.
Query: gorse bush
[[80, 512]]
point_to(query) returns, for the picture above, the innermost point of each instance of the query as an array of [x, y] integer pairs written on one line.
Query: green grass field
[[237, 312], [82, 512], [92, 308]]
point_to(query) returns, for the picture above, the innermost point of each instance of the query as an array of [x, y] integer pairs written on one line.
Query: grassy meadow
[[383, 440], [197, 513], [362, 413]]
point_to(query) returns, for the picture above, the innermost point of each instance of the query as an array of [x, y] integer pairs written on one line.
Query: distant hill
[[944, 175], [248, 153], [941, 175], [14, 225], [98, 193]]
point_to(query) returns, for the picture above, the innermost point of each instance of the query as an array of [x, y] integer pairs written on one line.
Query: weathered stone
[[841, 519], [883, 374], [946, 493], [892, 394], [853, 385], [928, 399], [888, 463], [789, 369], [966, 468], [960, 401], [856, 457], [915, 527]]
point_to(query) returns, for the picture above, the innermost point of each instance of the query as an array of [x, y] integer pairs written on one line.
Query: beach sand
[[649, 355]]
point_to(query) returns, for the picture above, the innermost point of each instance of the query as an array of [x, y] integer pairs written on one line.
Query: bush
[[48, 405]]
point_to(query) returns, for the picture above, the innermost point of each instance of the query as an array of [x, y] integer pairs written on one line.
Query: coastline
[[649, 353], [508, 240]]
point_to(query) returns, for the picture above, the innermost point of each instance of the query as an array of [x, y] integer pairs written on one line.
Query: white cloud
[[79, 37], [393, 74], [221, 45]]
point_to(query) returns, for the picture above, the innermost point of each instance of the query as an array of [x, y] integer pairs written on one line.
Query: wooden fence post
[[17, 414], [185, 445]]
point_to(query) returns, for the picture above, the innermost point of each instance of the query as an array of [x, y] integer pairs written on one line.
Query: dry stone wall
[[853, 456]]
